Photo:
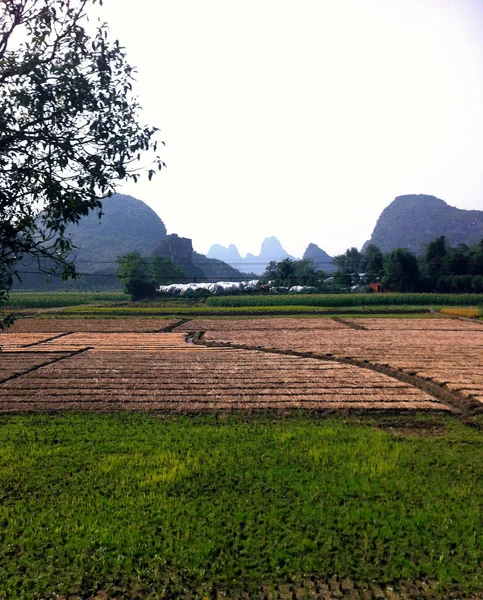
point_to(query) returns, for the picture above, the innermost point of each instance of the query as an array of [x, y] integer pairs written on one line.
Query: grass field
[[136, 504]]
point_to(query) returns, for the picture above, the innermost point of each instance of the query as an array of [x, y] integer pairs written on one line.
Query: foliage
[[373, 263], [134, 275], [141, 276], [163, 271], [350, 262], [180, 508], [348, 268], [401, 271], [288, 273], [70, 129], [457, 269], [434, 258]]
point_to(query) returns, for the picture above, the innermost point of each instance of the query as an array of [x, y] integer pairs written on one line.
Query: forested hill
[[128, 225], [412, 221]]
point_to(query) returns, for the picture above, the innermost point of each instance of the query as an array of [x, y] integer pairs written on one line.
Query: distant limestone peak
[[413, 220], [271, 249], [322, 261], [225, 254]]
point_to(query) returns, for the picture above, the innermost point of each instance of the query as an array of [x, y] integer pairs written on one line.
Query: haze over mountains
[[130, 225], [271, 250]]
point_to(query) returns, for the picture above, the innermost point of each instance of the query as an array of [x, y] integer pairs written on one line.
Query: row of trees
[[439, 269]]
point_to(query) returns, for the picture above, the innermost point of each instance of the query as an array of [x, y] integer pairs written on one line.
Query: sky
[[304, 119]]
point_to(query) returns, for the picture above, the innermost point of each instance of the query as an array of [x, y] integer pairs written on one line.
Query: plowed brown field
[[12, 364], [180, 380], [95, 325], [268, 324], [431, 349], [161, 371]]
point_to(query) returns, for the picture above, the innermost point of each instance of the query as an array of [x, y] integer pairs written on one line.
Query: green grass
[[25, 300], [182, 506], [348, 300], [140, 310]]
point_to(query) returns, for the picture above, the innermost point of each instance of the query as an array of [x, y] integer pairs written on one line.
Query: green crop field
[[26, 300], [347, 300], [141, 506]]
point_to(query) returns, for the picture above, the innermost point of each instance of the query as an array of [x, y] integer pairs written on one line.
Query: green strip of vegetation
[[177, 507], [348, 300], [25, 300], [204, 311]]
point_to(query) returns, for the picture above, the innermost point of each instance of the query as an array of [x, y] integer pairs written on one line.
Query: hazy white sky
[[304, 119]]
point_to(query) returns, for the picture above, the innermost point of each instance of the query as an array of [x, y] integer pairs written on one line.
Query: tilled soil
[[174, 376], [32, 325], [434, 349], [148, 370]]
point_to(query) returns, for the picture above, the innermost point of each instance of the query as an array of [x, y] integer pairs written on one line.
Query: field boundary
[[350, 324], [65, 354], [457, 317], [460, 404], [54, 337], [170, 328]]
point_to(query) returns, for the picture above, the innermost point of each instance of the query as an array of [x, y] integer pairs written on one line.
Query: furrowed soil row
[[16, 364], [252, 363], [40, 361], [121, 342], [143, 386], [288, 392], [201, 406], [425, 359], [268, 324], [11, 341], [116, 325], [55, 337]]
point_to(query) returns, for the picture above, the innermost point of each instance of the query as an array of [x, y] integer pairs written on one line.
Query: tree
[[288, 272], [349, 265], [373, 263], [69, 129], [163, 271], [401, 271], [434, 258], [133, 273], [476, 259], [141, 276]]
